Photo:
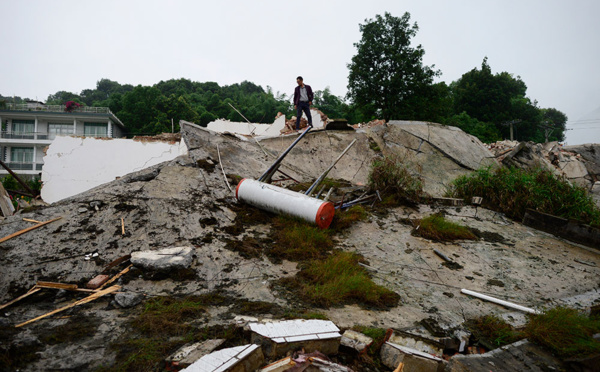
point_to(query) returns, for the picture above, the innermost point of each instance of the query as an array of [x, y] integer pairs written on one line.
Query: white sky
[[49, 46]]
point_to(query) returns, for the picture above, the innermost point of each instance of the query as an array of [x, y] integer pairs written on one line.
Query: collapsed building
[[173, 230]]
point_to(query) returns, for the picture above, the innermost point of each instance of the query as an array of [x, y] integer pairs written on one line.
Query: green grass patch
[[339, 279], [395, 182], [493, 331], [297, 240], [294, 314], [164, 325], [565, 332], [343, 219], [436, 227], [512, 191], [168, 313]]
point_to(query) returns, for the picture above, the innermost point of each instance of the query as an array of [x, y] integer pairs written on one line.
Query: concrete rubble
[[355, 340], [190, 353], [164, 259], [180, 219], [580, 164]]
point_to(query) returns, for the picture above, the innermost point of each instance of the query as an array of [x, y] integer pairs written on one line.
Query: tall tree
[[387, 72]]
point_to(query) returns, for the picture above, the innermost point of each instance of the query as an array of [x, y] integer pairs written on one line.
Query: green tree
[[387, 72], [330, 104], [554, 122], [498, 99], [486, 132]]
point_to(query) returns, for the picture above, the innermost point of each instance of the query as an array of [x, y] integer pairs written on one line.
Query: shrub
[[436, 227], [565, 332], [512, 191], [393, 179]]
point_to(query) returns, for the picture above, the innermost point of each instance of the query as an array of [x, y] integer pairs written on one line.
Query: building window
[[21, 155], [95, 130], [59, 129], [23, 128]]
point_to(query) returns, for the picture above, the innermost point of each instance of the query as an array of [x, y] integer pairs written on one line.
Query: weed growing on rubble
[[296, 240], [436, 227], [162, 313], [344, 219], [394, 181], [512, 191], [494, 331], [340, 279], [564, 331]]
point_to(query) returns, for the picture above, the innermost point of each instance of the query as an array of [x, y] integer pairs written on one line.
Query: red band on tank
[[325, 215], [238, 187]]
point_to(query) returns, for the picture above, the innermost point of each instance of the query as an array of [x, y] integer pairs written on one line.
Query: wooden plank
[[122, 226], [27, 230], [123, 272], [116, 262], [96, 295], [68, 287], [30, 220], [30, 292]]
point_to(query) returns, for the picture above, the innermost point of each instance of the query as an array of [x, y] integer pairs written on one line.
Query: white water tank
[[283, 201]]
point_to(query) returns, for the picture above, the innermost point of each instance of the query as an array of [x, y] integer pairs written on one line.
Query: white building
[[27, 129]]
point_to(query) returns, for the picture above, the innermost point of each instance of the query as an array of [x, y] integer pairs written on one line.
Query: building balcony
[[17, 166], [26, 137], [55, 108]]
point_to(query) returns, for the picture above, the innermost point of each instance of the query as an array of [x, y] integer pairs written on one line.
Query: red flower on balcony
[[71, 105]]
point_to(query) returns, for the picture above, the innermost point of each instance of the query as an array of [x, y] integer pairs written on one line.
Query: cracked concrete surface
[[185, 202]]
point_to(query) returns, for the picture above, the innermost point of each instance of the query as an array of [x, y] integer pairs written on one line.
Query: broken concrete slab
[[438, 153], [246, 358], [164, 259], [277, 338], [190, 353], [128, 299], [511, 358], [76, 164], [568, 229], [414, 360], [416, 342], [355, 340]]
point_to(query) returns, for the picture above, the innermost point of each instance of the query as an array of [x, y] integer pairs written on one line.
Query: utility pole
[[511, 123], [172, 126], [547, 130]]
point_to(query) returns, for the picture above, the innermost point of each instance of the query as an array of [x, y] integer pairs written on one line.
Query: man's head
[[299, 80]]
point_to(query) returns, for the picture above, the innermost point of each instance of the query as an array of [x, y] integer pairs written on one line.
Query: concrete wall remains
[[73, 164]]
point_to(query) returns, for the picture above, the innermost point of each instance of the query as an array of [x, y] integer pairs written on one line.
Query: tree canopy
[[387, 77]]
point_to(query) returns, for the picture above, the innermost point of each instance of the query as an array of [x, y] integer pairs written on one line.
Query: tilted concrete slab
[[73, 165]]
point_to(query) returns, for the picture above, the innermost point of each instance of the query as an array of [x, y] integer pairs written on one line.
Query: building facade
[[27, 129]]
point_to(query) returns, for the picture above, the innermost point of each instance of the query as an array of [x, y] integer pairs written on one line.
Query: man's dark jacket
[[309, 93]]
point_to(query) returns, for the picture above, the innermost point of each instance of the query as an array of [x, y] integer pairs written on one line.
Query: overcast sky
[[49, 46]]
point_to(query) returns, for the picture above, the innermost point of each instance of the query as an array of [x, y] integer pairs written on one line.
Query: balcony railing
[[56, 108], [27, 135], [16, 166]]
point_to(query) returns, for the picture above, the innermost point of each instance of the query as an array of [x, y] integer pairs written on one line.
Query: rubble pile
[[97, 265], [578, 164]]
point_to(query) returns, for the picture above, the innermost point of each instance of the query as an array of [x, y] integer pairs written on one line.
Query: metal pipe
[[19, 180], [324, 174], [275, 165], [500, 302]]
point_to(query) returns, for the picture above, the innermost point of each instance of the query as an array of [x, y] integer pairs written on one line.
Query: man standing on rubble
[[303, 96]]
